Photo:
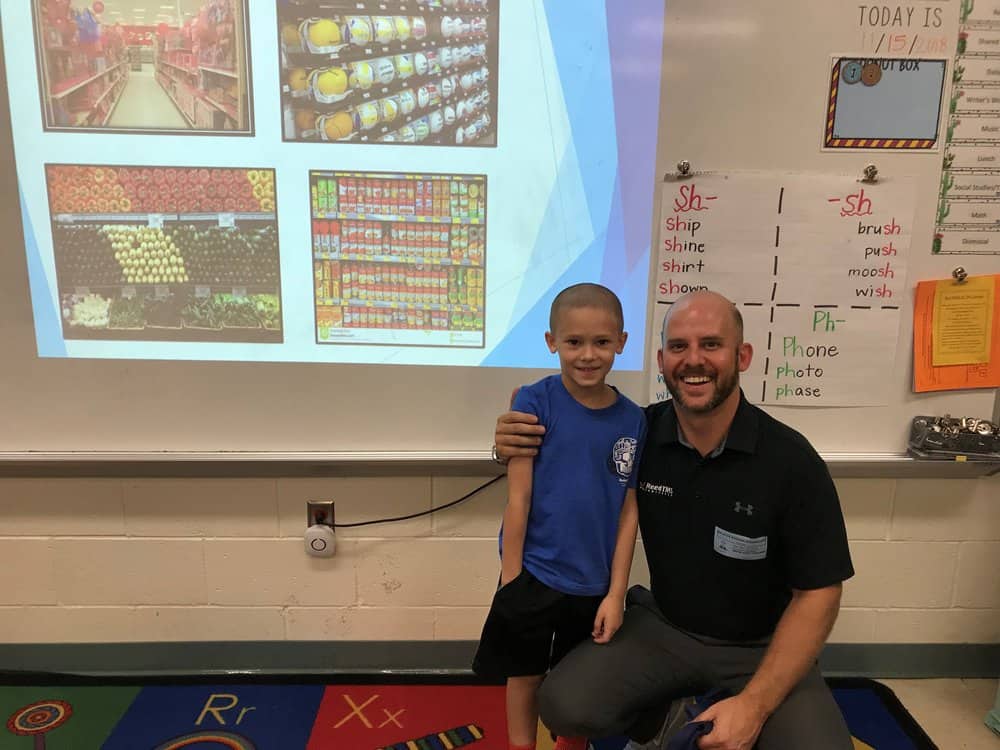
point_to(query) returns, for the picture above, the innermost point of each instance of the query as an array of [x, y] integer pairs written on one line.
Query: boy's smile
[[587, 340]]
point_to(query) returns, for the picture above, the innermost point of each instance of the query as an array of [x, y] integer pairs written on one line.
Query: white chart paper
[[816, 265]]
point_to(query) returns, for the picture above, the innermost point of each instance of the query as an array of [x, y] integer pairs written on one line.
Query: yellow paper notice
[[963, 321]]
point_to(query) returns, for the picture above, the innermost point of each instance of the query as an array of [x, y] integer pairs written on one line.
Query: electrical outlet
[[319, 512]]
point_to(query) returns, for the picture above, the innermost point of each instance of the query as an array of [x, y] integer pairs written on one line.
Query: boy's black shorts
[[530, 627]]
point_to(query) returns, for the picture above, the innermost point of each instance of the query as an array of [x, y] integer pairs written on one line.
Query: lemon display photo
[[390, 67]]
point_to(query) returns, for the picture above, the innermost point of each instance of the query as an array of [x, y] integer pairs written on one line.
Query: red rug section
[[381, 716]]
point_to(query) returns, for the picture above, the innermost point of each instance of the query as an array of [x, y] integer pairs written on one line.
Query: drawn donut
[[40, 717], [871, 74]]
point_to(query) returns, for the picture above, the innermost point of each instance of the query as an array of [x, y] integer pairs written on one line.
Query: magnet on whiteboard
[[871, 74], [850, 72]]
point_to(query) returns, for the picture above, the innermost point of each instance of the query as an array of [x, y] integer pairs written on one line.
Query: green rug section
[[93, 711]]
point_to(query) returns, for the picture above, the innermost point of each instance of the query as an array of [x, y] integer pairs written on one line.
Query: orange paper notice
[[927, 377]]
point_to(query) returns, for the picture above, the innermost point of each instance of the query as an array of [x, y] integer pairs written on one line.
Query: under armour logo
[[741, 508]]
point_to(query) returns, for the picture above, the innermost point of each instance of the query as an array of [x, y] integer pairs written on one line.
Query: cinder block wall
[[110, 560]]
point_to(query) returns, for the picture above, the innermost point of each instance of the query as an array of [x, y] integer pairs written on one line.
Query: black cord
[[480, 488]]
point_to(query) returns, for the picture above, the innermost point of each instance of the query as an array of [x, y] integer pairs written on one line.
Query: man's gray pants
[[625, 686]]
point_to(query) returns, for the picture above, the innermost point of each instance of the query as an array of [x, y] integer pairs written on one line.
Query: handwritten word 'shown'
[[855, 204], [690, 200]]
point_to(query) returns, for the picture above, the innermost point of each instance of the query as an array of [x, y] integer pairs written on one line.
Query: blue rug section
[[873, 715], [261, 716]]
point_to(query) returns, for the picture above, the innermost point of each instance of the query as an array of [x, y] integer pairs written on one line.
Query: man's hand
[[518, 434], [609, 618], [736, 723]]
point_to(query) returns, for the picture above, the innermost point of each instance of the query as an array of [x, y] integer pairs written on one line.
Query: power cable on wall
[[453, 503]]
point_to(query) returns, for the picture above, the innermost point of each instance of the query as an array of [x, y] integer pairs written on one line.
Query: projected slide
[[390, 78], [330, 181], [122, 65]]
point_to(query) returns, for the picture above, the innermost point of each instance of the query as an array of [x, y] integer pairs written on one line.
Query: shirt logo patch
[[623, 456], [740, 547], [657, 489], [739, 507]]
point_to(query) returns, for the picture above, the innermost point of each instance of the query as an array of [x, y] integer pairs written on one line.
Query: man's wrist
[[497, 458]]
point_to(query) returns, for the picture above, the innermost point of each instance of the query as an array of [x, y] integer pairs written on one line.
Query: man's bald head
[[705, 301]]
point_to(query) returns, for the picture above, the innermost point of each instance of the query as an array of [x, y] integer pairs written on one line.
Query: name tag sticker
[[739, 547]]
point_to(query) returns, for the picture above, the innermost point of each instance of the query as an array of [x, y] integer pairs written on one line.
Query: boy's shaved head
[[586, 295]]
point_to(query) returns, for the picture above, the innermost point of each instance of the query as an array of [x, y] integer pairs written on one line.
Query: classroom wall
[[108, 560]]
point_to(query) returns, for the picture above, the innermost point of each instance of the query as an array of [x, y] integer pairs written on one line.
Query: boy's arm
[[612, 608], [515, 517], [621, 563]]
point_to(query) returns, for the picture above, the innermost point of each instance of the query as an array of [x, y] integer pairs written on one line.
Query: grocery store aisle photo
[[144, 102], [137, 66]]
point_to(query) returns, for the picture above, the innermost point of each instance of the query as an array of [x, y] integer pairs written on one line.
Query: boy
[[569, 528]]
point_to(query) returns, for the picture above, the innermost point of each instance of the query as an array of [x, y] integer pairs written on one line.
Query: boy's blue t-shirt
[[587, 461]]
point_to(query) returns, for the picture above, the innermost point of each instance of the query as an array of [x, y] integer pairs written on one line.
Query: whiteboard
[[744, 86]]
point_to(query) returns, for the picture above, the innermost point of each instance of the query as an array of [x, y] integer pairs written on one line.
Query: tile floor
[[144, 104], [951, 711]]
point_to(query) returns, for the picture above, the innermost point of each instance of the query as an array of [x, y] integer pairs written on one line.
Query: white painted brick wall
[[105, 560]]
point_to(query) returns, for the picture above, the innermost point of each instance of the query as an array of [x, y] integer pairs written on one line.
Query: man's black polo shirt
[[728, 537]]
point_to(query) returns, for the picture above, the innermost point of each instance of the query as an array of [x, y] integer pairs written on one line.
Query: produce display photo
[[399, 258], [132, 65], [389, 71], [166, 253]]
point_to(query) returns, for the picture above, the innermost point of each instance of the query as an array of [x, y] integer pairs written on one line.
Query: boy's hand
[[609, 618], [518, 434], [506, 577]]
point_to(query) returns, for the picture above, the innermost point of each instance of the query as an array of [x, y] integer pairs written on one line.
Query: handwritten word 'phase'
[[791, 391]]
